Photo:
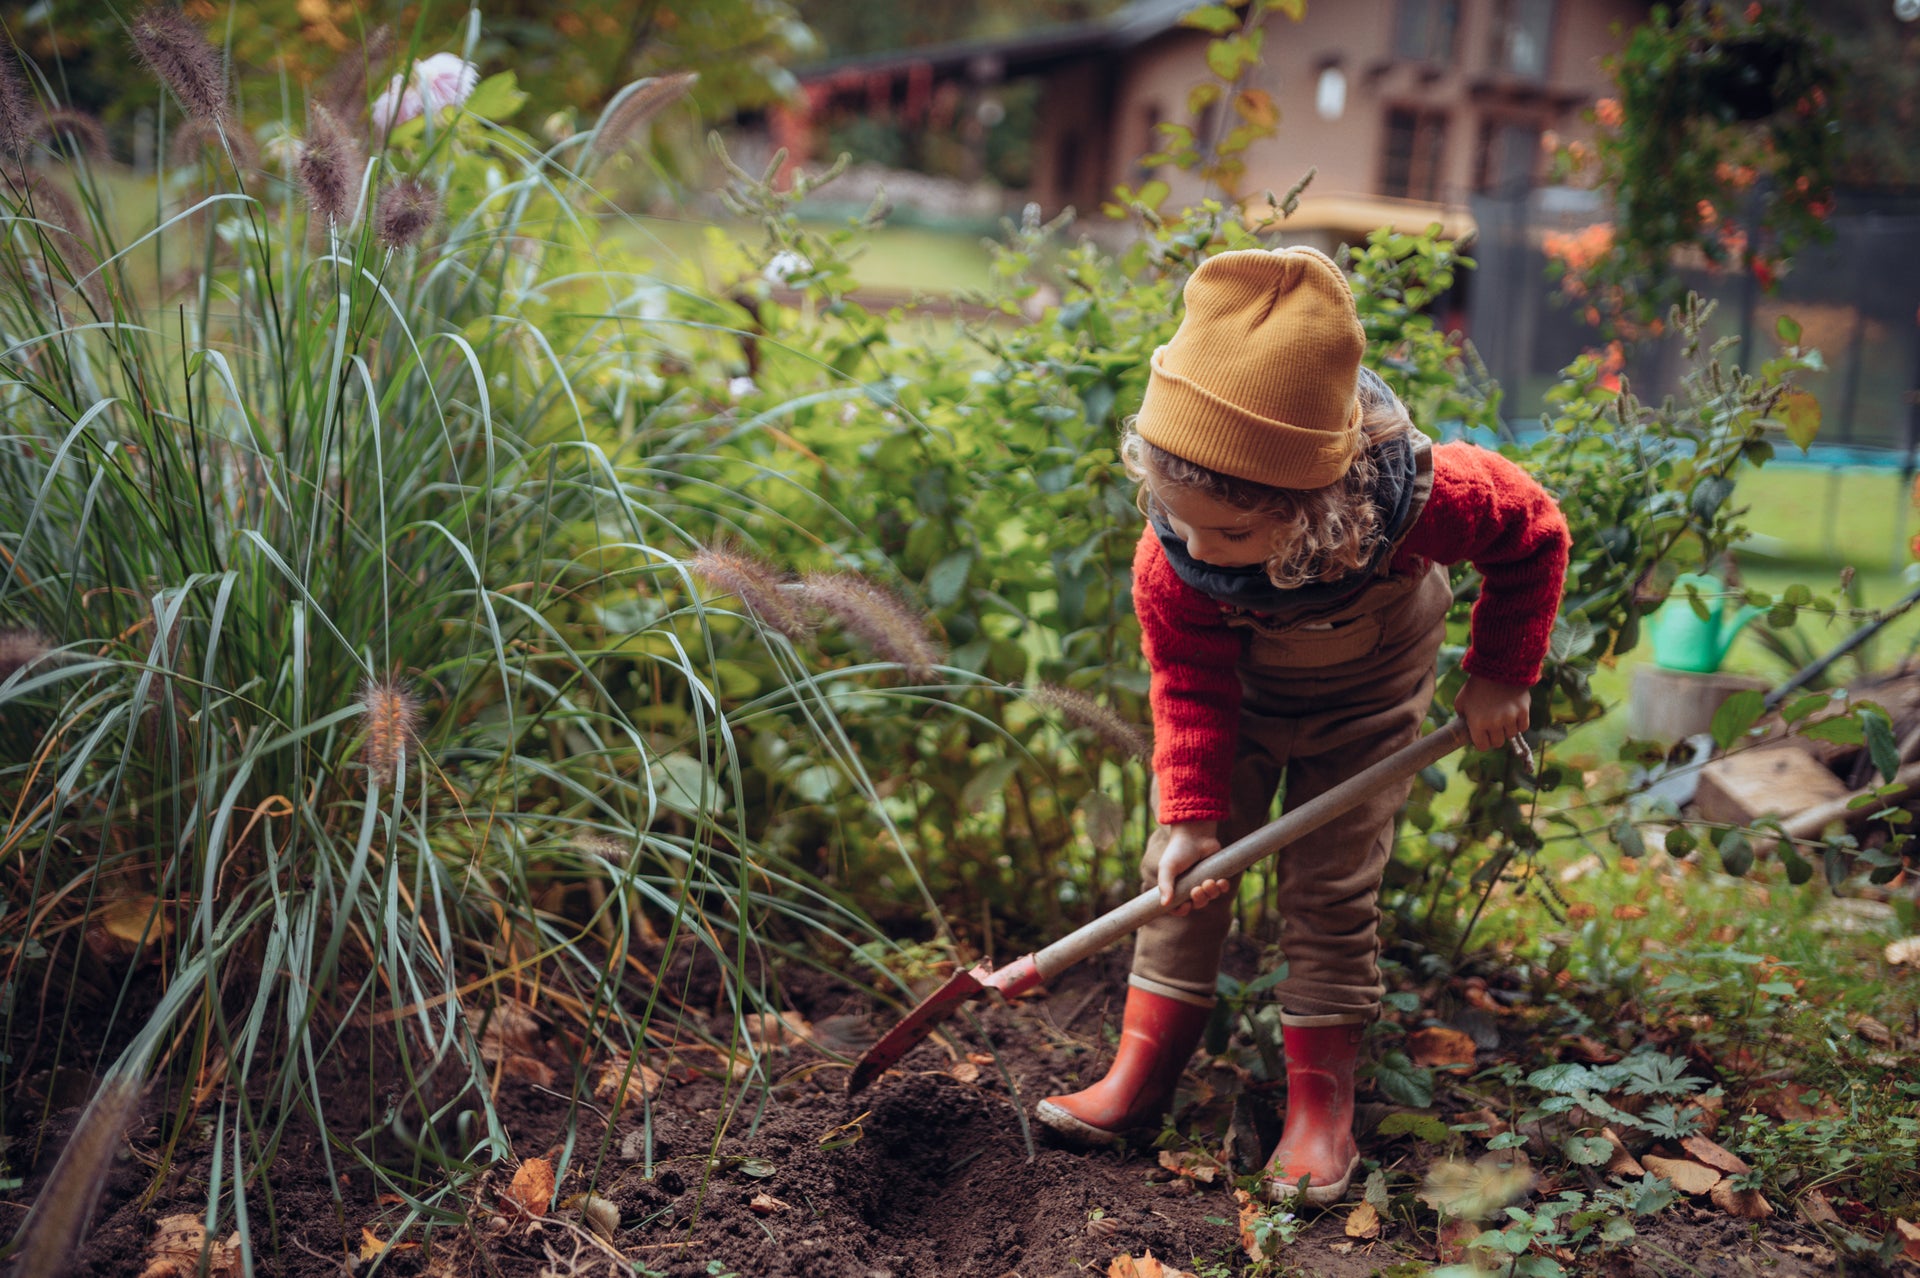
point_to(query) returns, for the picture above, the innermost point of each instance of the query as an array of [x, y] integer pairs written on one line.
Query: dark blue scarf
[[1250, 589]]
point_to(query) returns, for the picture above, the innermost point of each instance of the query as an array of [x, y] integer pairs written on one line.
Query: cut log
[[1808, 822], [1769, 781], [1672, 705]]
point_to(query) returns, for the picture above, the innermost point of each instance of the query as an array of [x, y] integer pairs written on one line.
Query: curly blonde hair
[[1316, 534]]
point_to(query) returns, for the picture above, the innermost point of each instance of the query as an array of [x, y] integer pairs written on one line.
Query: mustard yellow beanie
[[1259, 379]]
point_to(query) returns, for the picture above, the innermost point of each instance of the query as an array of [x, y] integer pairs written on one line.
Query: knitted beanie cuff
[[1192, 423]]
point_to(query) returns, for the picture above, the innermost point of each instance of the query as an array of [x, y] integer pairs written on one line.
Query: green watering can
[[1682, 641]]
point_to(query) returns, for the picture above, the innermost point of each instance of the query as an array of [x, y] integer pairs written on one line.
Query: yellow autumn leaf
[[532, 1187]]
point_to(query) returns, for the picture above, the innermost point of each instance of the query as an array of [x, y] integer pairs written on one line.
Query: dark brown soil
[[927, 1175]]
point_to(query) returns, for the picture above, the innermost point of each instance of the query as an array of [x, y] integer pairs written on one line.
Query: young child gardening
[[1292, 592]]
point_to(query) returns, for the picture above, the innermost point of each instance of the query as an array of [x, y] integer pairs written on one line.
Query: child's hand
[[1495, 712], [1192, 842]]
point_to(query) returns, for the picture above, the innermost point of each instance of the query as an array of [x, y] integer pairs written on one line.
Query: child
[[1292, 593]]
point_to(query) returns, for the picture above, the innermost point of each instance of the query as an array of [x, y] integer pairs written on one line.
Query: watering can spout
[[1683, 639]]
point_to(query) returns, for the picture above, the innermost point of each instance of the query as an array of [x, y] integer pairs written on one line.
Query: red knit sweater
[[1484, 510]]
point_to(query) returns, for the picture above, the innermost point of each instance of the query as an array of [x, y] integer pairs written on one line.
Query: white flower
[[741, 387], [784, 267], [445, 79]]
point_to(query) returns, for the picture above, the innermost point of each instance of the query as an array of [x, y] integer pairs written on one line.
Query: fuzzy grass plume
[[176, 51], [405, 212], [82, 132], [1082, 711], [20, 649], [19, 123], [65, 1207], [878, 616], [344, 91], [330, 166], [393, 725], [61, 224], [636, 104], [195, 137], [759, 586]]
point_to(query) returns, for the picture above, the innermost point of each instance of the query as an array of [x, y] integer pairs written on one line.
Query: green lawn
[[894, 259]]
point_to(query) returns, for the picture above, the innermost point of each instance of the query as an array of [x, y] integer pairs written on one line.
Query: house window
[[1522, 37], [1416, 142], [1507, 158], [1423, 29]]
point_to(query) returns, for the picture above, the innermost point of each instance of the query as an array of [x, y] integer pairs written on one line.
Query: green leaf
[[1880, 743], [1680, 842], [498, 97], [1216, 19], [1627, 837], [1737, 714], [946, 579], [1800, 707], [1709, 495], [1569, 1079], [1787, 329], [1799, 412], [1587, 1151], [1798, 871], [1403, 1082], [1841, 729], [1425, 1127], [987, 782], [1152, 194], [1736, 854]]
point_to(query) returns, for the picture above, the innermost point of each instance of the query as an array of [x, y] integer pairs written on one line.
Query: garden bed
[[928, 1173]]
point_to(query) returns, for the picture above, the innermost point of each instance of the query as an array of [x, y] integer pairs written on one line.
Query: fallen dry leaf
[[1590, 1051], [527, 1069], [1341, 1248], [1747, 1204], [1871, 1030], [508, 1028], [1904, 950], [1909, 1237], [532, 1187], [1722, 1160], [965, 1071], [132, 919], [1440, 1045], [176, 1247], [781, 1029], [633, 1087], [1191, 1164], [1623, 1163], [1142, 1267], [1817, 1210], [1364, 1222], [1785, 1104], [1250, 1213], [1709, 1108], [1454, 1235], [1628, 912], [767, 1204], [1687, 1176]]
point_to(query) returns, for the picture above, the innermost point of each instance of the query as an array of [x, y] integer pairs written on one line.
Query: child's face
[[1215, 532]]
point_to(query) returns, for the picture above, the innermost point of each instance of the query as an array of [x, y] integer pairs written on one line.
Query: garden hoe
[[1029, 972]]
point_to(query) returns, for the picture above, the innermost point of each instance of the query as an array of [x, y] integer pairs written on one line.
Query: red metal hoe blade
[[1017, 977]]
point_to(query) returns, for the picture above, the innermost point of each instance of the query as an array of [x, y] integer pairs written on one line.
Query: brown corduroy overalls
[[1326, 693]]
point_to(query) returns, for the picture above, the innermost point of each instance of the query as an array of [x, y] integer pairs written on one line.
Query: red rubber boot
[[1157, 1036], [1318, 1139]]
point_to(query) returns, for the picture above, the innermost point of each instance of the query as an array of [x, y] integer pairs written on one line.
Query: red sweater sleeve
[[1193, 658], [1488, 511]]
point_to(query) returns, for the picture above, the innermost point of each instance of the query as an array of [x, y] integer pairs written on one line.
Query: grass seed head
[[393, 724], [759, 585], [62, 225], [1083, 711], [194, 137], [344, 91], [329, 166], [878, 616], [73, 1188], [405, 211], [19, 125], [638, 103], [20, 649], [82, 131], [176, 51]]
